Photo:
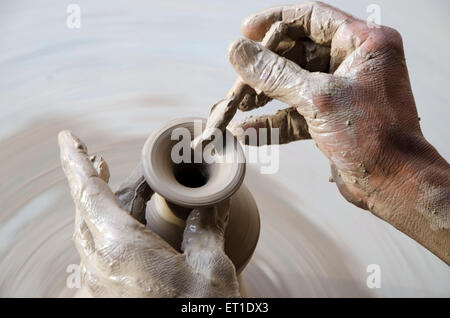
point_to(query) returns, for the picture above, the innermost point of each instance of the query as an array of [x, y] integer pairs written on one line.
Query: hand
[[120, 257], [359, 110]]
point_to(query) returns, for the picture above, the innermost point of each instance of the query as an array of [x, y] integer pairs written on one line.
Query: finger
[[272, 41], [250, 99], [320, 22], [134, 193], [316, 20], [310, 56], [87, 245], [253, 100], [223, 111], [82, 236], [285, 126], [101, 167], [256, 26], [203, 242], [74, 160], [92, 196], [221, 114], [205, 228], [276, 76]]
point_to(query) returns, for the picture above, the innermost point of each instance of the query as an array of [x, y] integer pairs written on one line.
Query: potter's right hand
[[120, 257], [359, 110]]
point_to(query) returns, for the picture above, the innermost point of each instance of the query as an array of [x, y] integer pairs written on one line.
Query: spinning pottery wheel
[[114, 91]]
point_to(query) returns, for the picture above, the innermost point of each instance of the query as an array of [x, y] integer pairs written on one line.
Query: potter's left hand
[[120, 257]]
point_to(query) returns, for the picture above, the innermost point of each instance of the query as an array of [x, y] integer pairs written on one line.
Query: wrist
[[416, 199], [421, 181]]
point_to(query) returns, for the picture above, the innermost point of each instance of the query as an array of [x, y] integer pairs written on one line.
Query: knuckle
[[273, 74], [311, 4], [331, 86], [388, 37], [392, 36], [316, 3]]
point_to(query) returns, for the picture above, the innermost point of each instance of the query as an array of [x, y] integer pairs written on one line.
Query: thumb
[[205, 229], [274, 75], [203, 243]]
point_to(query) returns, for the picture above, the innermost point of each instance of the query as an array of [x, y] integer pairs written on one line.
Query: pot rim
[[185, 198]]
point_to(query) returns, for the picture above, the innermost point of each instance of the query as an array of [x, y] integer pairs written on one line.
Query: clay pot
[[181, 187]]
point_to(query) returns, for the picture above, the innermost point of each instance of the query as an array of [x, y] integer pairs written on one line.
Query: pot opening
[[191, 175]]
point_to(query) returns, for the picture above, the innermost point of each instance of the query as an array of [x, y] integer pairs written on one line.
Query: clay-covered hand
[[360, 111], [120, 257]]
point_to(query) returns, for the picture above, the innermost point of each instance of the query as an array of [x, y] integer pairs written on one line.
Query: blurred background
[[133, 65]]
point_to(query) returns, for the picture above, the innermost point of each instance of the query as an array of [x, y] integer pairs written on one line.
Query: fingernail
[[66, 136], [62, 136], [248, 28], [255, 26], [248, 21]]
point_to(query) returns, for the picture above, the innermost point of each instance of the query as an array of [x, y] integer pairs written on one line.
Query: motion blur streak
[[134, 65]]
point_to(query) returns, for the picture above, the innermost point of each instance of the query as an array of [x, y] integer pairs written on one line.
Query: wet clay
[[223, 111], [314, 57], [290, 124], [112, 244], [182, 187]]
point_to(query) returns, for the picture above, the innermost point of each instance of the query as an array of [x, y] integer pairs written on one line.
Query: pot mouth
[[192, 178]]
